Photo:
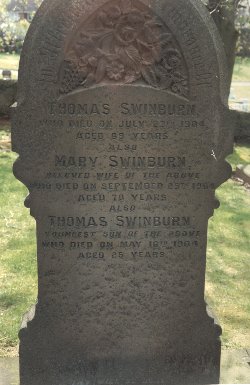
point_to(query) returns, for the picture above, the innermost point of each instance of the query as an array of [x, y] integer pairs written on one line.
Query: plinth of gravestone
[[122, 129]]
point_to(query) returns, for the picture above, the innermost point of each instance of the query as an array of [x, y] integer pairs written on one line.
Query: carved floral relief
[[121, 44]]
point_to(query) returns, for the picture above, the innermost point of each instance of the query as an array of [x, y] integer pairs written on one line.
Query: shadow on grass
[[8, 300]]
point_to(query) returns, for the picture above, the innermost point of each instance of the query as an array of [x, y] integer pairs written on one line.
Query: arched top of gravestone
[[76, 45]]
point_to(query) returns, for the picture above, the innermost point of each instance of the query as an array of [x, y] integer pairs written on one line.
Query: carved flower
[[171, 59], [181, 87], [115, 70], [132, 76], [136, 19], [127, 35], [84, 44], [109, 16], [114, 12], [129, 27], [123, 43], [174, 61], [93, 61]]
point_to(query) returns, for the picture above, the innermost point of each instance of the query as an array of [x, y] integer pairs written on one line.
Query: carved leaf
[[83, 72], [166, 78], [166, 81], [150, 35], [144, 48], [150, 56], [165, 39], [104, 19], [125, 59], [107, 42], [149, 76], [126, 5], [161, 71], [97, 33], [156, 51], [184, 91], [131, 78], [166, 36], [84, 45], [90, 81], [154, 24], [133, 54], [101, 70], [180, 88], [71, 56]]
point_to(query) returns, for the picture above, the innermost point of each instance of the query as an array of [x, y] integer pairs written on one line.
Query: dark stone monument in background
[[6, 74], [121, 126]]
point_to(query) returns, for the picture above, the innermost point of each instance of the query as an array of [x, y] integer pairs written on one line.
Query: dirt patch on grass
[[241, 182], [10, 351]]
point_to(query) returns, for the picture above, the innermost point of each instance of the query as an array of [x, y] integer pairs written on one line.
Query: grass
[[227, 265], [5, 140], [238, 91], [18, 284], [9, 61], [4, 135], [241, 155], [237, 95], [242, 70]]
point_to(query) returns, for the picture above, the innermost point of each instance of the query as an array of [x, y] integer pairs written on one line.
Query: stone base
[[51, 367], [48, 358], [234, 368], [178, 372]]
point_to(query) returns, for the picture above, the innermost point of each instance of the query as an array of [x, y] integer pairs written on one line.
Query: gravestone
[[6, 74], [121, 126]]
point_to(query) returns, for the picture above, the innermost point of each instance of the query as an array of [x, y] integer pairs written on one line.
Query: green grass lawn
[[227, 265], [242, 70], [241, 74], [18, 284], [240, 93], [9, 62], [241, 155]]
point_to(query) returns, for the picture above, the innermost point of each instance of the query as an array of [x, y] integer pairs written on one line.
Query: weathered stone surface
[[121, 126], [234, 366]]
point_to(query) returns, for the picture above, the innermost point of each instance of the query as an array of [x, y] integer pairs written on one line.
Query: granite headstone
[[6, 74], [121, 126]]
